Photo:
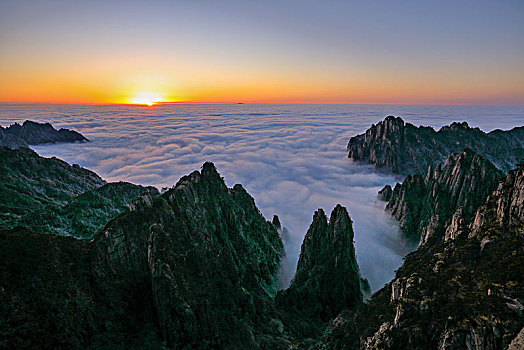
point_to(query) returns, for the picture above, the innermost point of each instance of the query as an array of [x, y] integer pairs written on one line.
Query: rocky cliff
[[461, 293], [505, 206], [32, 133], [403, 148], [327, 280], [86, 214], [425, 205], [212, 259], [193, 268]]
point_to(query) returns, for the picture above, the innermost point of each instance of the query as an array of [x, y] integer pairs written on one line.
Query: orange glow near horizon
[[147, 98]]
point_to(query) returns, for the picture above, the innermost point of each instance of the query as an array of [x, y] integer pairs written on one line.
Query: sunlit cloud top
[[444, 52]]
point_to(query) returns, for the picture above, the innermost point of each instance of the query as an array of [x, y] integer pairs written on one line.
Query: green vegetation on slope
[[50, 196]]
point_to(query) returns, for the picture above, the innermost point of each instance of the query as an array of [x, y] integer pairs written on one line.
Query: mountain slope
[[423, 205], [86, 214], [403, 148], [212, 257], [48, 195], [463, 291], [29, 182], [193, 268]]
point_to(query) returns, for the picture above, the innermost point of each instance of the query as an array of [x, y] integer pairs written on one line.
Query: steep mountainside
[[463, 291], [32, 133], [327, 280], [11, 141], [212, 258], [87, 213], [48, 195], [29, 182], [403, 148], [195, 267], [423, 205]]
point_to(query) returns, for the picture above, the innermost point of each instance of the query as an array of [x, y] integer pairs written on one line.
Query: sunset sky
[[402, 52]]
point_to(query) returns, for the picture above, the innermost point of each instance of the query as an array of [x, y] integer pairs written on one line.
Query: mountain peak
[[424, 205], [327, 278], [403, 148], [34, 133]]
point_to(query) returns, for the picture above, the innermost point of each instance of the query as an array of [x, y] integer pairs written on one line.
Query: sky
[[378, 52]]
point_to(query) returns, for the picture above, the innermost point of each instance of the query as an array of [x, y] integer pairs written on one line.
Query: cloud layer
[[290, 158]]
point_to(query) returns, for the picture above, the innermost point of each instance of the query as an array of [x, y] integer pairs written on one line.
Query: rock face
[[505, 205], [192, 268], [327, 280], [29, 182], [385, 193], [32, 133], [48, 195], [463, 293], [424, 205], [212, 258], [403, 148], [11, 141], [58, 293], [86, 214]]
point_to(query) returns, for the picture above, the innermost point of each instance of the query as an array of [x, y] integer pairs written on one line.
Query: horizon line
[[160, 104]]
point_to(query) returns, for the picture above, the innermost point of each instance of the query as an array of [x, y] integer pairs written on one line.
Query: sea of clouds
[[291, 158]]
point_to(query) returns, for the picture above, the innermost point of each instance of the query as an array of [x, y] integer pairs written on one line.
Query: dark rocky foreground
[[33, 133], [193, 268], [461, 289], [403, 148]]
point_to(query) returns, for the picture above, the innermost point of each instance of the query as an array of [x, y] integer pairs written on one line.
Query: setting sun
[[147, 98]]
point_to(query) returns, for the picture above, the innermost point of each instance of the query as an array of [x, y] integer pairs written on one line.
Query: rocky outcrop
[[212, 258], [29, 182], [193, 268], [505, 206], [32, 133], [425, 205], [463, 293], [385, 193], [327, 280], [86, 214], [11, 141], [403, 148]]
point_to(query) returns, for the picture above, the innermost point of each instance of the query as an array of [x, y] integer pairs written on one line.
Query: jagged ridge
[[33, 133], [327, 280], [463, 292], [195, 267], [403, 148], [423, 205], [212, 257]]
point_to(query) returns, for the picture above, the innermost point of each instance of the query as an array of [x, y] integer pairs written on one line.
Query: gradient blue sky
[[434, 52]]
